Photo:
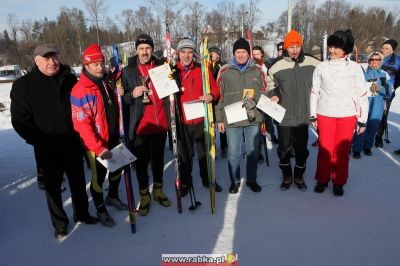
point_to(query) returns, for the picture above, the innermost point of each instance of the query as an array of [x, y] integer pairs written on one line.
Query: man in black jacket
[[41, 115], [148, 123]]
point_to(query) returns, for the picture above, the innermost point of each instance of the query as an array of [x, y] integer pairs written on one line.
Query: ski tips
[[133, 228]]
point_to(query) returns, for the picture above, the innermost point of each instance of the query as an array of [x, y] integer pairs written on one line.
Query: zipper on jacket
[[155, 113]]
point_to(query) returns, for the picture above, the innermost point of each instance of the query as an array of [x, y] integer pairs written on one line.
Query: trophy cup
[[143, 80], [373, 85]]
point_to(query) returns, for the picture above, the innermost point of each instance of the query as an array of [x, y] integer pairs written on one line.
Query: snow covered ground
[[267, 228]]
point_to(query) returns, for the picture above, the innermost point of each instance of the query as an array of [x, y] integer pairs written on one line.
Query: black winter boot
[[378, 141]]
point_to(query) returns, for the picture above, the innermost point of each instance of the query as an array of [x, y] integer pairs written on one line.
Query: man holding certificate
[[188, 76], [95, 116], [148, 123], [241, 83], [291, 78]]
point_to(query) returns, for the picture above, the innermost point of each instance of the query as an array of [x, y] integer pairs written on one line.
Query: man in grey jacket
[[291, 78], [241, 80]]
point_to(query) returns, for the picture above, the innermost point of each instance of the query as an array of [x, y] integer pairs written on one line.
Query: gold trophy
[[373, 85], [146, 99]]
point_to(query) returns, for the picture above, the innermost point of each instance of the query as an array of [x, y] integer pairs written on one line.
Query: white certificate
[[194, 109], [121, 156], [161, 81], [271, 108], [235, 112]]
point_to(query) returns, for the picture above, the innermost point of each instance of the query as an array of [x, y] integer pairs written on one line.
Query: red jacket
[[192, 88], [154, 119], [88, 114]]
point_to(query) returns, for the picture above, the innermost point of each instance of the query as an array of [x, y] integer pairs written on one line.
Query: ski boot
[[145, 201], [117, 203], [158, 195]]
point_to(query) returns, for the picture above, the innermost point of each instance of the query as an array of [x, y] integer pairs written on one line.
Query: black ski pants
[[149, 149], [189, 135], [289, 138]]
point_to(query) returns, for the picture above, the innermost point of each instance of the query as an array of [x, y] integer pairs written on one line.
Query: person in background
[[259, 58], [215, 65], [279, 51], [380, 87], [390, 64], [316, 51]]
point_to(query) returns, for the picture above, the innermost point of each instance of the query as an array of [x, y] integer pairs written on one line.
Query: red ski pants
[[335, 136]]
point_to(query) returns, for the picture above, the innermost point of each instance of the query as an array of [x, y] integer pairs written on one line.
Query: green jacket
[[232, 83], [291, 81]]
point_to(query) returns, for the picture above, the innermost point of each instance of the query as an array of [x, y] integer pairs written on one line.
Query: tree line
[[73, 29]]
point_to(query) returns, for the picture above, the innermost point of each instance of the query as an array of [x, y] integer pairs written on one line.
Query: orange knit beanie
[[292, 38]]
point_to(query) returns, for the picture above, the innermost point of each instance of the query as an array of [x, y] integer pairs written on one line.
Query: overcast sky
[[28, 9]]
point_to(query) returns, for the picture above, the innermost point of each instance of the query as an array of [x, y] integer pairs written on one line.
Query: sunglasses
[[375, 59]]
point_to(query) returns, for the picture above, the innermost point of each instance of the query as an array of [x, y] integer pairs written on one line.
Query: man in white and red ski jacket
[[95, 116], [189, 78]]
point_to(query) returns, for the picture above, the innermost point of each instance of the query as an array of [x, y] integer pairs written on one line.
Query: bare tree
[[303, 17], [96, 9], [127, 19], [195, 19], [13, 25], [26, 29], [227, 12]]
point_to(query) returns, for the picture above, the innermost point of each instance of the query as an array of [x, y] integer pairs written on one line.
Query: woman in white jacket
[[338, 105]]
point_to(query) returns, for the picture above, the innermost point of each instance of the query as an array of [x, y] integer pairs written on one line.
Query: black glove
[[250, 105]]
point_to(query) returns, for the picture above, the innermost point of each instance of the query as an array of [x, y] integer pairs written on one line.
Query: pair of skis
[[174, 113], [209, 131], [123, 140]]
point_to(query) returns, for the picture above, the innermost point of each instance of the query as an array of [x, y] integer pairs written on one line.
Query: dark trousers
[[270, 124], [99, 173], [192, 134], [53, 171], [39, 165], [289, 138], [383, 125], [149, 149]]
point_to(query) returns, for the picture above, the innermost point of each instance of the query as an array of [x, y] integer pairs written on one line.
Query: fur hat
[[92, 54], [392, 43], [292, 38], [144, 39], [343, 40], [241, 44]]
